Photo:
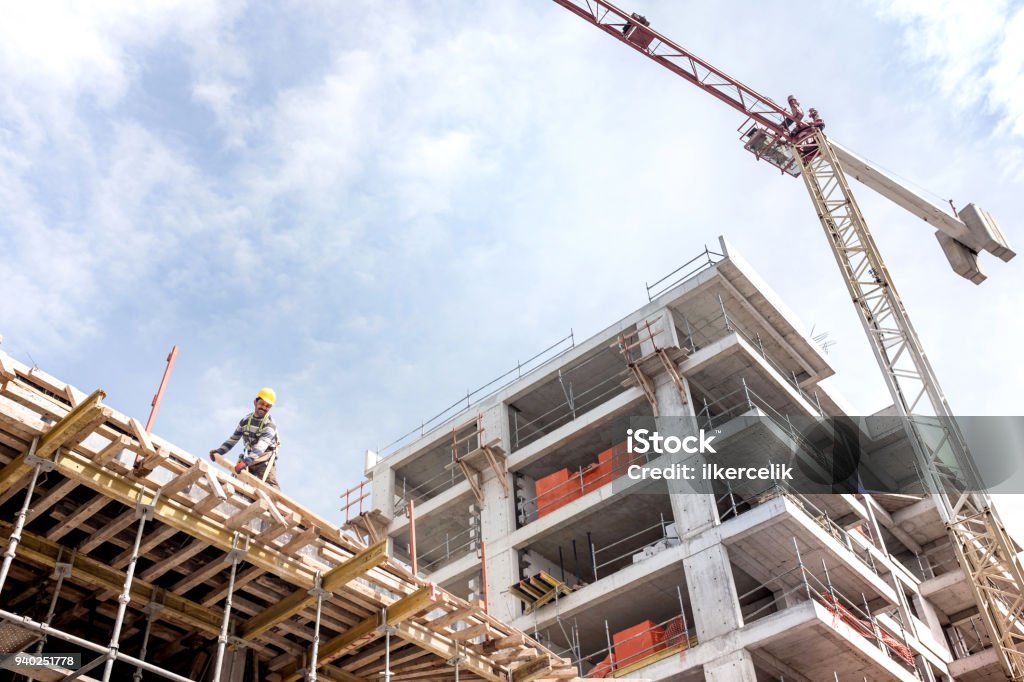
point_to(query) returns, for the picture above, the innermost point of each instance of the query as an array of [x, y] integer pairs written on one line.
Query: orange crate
[[637, 642], [557, 489]]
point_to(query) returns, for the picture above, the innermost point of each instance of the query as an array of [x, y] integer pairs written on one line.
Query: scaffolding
[[147, 561]]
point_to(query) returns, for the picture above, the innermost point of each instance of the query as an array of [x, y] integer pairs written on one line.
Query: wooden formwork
[[98, 476]]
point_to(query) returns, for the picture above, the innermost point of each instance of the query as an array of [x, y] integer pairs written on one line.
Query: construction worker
[[258, 432]]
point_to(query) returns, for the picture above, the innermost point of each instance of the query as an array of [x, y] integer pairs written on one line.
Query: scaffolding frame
[[175, 556]]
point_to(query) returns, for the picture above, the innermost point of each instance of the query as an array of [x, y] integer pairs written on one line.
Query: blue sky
[[374, 207]]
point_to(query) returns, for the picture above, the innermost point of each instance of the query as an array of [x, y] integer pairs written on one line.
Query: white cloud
[[975, 52]]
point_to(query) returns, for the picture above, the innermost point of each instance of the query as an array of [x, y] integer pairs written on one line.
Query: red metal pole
[[412, 536], [483, 573], [160, 391]]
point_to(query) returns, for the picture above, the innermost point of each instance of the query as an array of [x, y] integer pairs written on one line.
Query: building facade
[[523, 501]]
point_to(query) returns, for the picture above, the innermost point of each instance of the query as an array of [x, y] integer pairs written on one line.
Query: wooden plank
[[451, 617], [174, 560], [372, 556], [182, 481], [142, 436], [202, 575], [149, 462], [108, 531], [50, 498], [6, 368], [71, 523], [471, 632], [301, 540], [275, 514], [246, 514], [112, 450], [154, 538], [532, 670]]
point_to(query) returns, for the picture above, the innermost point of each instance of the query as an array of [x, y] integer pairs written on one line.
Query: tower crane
[[796, 144]]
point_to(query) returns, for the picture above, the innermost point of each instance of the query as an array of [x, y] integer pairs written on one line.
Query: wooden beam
[[174, 560], [451, 617], [366, 631], [70, 426], [6, 368], [112, 450], [81, 514], [143, 437], [372, 556], [246, 514], [182, 481], [300, 540], [532, 670], [50, 498], [472, 662], [108, 531], [73, 423], [95, 574], [471, 632]]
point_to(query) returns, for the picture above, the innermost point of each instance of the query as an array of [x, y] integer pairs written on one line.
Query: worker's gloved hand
[[213, 454], [240, 466]]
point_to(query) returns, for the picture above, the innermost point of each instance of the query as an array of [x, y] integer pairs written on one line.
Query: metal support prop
[[455, 660], [387, 630], [61, 570], [483, 576], [319, 593], [412, 535], [234, 556], [19, 525], [144, 512], [152, 609]]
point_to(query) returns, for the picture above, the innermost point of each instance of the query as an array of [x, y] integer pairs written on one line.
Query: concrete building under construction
[[519, 498]]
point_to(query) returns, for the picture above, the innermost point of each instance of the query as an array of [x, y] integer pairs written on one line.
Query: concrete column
[[497, 521], [692, 513], [712, 590], [931, 619], [382, 489], [735, 667], [495, 423]]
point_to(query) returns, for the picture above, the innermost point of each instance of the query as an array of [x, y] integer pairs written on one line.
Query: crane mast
[[798, 147]]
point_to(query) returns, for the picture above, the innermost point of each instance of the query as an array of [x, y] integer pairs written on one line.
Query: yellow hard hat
[[268, 395]]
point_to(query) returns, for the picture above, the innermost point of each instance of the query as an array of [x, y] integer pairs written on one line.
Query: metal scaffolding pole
[[455, 660], [234, 556], [388, 630], [61, 570], [318, 592], [19, 525], [144, 512], [152, 609]]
